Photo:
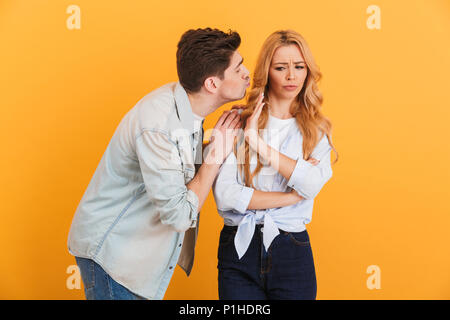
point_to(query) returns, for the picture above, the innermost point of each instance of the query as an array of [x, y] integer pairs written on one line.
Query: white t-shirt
[[198, 139], [197, 122], [277, 130]]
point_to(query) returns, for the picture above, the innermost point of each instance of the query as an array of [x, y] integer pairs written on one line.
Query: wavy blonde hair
[[305, 108]]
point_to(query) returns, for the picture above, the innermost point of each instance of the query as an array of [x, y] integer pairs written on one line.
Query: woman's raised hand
[[251, 127]]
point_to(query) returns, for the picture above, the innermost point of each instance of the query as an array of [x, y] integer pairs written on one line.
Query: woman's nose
[[291, 74]]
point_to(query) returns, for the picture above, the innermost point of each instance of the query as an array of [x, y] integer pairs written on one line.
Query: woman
[[266, 188]]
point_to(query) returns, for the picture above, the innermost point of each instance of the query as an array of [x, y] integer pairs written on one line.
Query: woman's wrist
[[258, 145], [264, 150]]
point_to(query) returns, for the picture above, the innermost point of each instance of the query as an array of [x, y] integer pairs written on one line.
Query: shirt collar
[[184, 108]]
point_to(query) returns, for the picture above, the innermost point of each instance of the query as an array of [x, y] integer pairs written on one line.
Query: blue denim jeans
[[284, 272], [98, 285]]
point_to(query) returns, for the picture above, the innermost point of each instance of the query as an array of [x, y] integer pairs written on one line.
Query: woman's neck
[[280, 108]]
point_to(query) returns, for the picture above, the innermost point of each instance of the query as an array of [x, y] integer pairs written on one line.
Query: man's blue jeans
[[98, 285], [284, 272]]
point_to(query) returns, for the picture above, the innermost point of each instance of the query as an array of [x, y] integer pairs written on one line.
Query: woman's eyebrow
[[297, 62]]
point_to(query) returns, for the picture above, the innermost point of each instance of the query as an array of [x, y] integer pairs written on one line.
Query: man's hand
[[223, 136], [238, 107]]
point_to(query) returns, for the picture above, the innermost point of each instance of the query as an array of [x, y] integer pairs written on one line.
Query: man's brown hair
[[203, 53]]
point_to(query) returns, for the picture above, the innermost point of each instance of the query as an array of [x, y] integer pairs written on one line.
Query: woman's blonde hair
[[305, 108]]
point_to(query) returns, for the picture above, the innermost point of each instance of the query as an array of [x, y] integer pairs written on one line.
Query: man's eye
[[299, 67], [279, 68]]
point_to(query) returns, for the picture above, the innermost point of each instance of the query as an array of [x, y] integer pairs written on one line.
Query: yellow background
[[63, 92]]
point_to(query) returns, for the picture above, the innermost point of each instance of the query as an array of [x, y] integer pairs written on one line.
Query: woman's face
[[287, 72]]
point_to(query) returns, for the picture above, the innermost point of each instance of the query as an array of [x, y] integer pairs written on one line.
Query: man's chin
[[240, 97], [243, 95]]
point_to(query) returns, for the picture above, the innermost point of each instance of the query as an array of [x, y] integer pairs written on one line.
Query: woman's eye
[[282, 68]]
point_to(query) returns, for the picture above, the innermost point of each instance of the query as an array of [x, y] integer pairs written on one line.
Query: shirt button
[[179, 245], [262, 229], [170, 268]]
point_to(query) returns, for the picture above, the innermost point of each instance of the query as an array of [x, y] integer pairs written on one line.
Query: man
[[139, 215]]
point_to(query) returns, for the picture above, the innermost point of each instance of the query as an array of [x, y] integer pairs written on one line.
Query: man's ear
[[211, 84]]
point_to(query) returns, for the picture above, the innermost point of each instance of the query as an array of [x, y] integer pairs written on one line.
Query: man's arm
[[218, 149], [164, 180], [202, 181]]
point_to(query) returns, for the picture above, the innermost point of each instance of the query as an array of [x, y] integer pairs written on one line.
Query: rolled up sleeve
[[228, 193], [163, 175], [308, 179]]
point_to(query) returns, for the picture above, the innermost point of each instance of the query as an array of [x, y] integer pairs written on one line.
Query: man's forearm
[[202, 182], [266, 200]]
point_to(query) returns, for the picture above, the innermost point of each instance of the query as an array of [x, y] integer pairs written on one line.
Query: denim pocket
[[226, 252], [299, 238], [226, 237]]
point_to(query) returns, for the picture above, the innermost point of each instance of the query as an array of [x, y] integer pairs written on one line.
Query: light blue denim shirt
[[233, 197], [133, 216]]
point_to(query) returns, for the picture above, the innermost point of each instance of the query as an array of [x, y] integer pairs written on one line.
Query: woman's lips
[[290, 88]]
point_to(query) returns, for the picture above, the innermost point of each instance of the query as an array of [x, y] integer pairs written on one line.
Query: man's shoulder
[[157, 109], [162, 97]]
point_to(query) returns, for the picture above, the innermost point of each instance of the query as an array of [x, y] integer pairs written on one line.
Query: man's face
[[236, 80]]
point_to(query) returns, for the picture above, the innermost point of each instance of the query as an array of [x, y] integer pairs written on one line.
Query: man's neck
[[202, 105]]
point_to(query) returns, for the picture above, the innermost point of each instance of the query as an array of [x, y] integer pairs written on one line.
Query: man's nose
[[246, 73]]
